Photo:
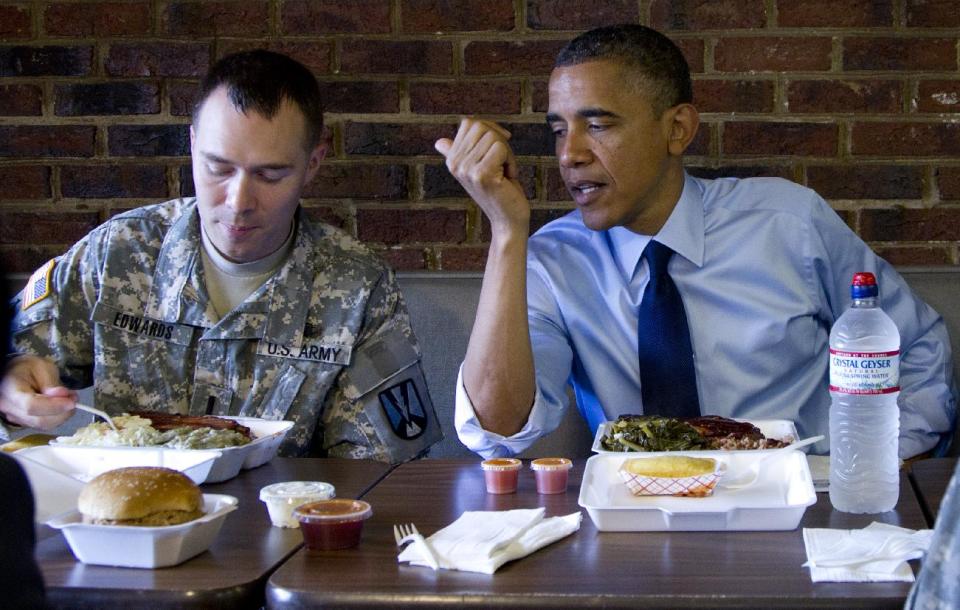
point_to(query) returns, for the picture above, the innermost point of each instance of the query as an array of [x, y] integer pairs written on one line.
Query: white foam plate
[[776, 501], [779, 429], [144, 547], [268, 435]]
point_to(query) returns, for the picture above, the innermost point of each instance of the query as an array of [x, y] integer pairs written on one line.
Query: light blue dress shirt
[[764, 267]]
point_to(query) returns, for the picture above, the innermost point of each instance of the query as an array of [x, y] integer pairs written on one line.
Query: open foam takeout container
[[780, 429], [144, 547], [268, 434]]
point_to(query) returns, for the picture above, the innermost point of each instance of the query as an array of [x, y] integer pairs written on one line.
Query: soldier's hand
[[31, 394], [482, 162]]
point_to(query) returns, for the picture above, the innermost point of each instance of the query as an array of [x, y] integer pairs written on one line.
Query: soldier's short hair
[[260, 81], [658, 63]]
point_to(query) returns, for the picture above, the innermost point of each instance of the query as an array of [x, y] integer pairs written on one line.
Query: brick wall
[[858, 99]]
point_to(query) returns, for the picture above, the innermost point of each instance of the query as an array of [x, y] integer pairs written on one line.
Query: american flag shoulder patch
[[39, 285]]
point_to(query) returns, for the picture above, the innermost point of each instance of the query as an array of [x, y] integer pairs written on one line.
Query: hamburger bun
[[140, 496]]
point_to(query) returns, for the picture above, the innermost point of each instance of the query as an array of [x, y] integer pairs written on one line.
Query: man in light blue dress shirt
[[763, 266]]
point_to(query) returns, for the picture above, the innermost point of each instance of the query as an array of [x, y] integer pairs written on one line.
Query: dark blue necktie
[[668, 380]]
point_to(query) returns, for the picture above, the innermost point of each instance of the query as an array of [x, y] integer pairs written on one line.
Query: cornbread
[[670, 466]]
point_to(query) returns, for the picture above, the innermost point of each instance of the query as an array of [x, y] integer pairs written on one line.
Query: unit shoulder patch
[[39, 286]]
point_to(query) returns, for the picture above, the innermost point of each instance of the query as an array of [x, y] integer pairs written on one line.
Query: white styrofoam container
[[84, 463], [267, 436], [144, 547], [780, 429], [776, 501]]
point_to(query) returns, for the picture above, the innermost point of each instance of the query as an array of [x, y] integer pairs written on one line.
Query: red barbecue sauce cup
[[332, 524], [551, 474], [501, 475]]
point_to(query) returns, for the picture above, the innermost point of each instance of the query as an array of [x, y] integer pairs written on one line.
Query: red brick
[[176, 59], [394, 226], [21, 100], [948, 182], [733, 95], [25, 182], [932, 13], [113, 181], [538, 218], [438, 182], [540, 95], [360, 96], [701, 141], [129, 18], [579, 15], [396, 57], [315, 55], [901, 224], [405, 259], [317, 17], [48, 227], [707, 14], [938, 96], [555, 189], [45, 61], [334, 217], [15, 22], [867, 181], [508, 58], [466, 258], [186, 181], [796, 139], [181, 97], [530, 138], [431, 16], [742, 171], [235, 18], [906, 139], [693, 51], [491, 97], [340, 180], [405, 139], [765, 54], [148, 140], [843, 96], [26, 259], [829, 14], [916, 255], [47, 141], [900, 53], [106, 99]]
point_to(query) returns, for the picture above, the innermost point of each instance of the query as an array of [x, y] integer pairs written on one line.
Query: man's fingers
[[443, 146]]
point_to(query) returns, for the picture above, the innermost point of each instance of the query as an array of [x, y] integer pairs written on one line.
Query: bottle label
[[864, 372]]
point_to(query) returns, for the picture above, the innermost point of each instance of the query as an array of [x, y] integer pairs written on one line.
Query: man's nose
[[573, 150], [240, 194]]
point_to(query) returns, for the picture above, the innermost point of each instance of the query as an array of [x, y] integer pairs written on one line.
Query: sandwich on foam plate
[[140, 496]]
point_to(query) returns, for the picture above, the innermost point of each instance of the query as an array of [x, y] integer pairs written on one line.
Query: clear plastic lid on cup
[[332, 524], [551, 474], [501, 475], [282, 498]]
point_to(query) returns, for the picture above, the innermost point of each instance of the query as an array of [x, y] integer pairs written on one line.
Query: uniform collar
[[682, 233]]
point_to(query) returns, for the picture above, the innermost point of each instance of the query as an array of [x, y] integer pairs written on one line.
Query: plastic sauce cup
[[282, 498], [551, 474], [332, 524], [501, 475]]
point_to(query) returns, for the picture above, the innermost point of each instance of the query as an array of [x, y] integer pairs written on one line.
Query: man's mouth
[[584, 191]]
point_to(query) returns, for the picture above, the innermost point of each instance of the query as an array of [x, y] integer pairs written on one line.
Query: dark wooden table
[[930, 478], [232, 573], [588, 569]]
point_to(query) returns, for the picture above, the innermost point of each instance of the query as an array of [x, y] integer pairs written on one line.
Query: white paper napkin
[[878, 552], [482, 541]]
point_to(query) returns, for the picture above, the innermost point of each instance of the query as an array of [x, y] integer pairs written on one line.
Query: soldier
[[232, 302]]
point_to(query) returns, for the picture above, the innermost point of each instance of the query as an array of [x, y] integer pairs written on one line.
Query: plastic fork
[[98, 413], [408, 533]]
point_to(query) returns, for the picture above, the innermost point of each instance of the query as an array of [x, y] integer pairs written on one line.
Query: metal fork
[[408, 533]]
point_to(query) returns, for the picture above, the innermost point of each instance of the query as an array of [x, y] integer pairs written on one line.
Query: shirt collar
[[682, 233]]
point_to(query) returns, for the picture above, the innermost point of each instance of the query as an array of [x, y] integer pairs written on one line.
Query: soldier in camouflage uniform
[[325, 341]]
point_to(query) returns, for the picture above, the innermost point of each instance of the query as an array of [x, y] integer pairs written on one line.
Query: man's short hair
[[660, 66], [260, 81]]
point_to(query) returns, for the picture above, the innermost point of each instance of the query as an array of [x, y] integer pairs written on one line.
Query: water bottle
[[864, 418]]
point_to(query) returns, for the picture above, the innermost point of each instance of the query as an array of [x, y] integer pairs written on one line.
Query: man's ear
[[317, 155], [683, 123], [193, 138]]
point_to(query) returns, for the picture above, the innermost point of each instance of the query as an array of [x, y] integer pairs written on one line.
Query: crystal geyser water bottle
[[864, 418]]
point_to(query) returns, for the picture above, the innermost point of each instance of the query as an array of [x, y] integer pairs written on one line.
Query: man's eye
[[596, 126], [558, 132], [271, 177], [218, 170]]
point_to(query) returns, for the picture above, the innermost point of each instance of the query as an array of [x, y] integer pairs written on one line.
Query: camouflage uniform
[[326, 342]]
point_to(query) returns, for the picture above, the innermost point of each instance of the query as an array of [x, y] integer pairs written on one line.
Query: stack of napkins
[[878, 552], [482, 541]]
